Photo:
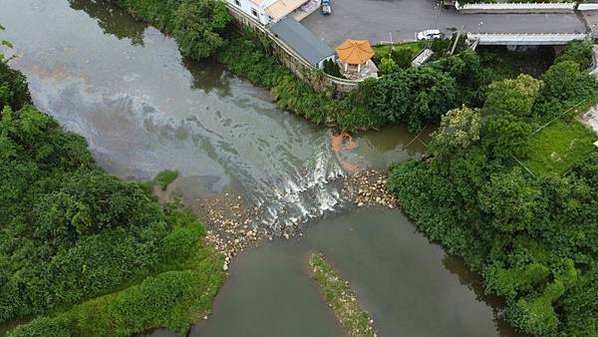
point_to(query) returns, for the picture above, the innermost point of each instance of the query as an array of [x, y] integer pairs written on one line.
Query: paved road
[[375, 19]]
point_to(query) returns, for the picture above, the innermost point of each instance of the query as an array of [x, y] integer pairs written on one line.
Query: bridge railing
[[526, 39], [520, 7]]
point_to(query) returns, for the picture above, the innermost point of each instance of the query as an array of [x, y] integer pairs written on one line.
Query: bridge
[[525, 39]]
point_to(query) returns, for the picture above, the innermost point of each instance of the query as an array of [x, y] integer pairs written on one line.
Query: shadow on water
[[112, 20]]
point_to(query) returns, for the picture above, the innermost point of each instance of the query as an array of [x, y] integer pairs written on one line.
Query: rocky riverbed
[[231, 223], [368, 189]]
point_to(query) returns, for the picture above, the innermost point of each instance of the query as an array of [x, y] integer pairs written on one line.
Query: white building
[[267, 11]]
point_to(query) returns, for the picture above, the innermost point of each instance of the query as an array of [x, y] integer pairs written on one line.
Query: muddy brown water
[[125, 88]]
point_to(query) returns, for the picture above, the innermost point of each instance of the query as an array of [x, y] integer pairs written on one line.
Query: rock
[[225, 266]]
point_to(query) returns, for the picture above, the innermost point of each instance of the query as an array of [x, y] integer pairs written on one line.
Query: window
[[254, 12], [238, 3]]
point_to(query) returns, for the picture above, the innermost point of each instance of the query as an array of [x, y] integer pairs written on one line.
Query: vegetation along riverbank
[[512, 188], [341, 298], [414, 96], [83, 253]]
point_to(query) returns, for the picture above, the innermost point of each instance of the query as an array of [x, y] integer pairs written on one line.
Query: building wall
[[251, 9]]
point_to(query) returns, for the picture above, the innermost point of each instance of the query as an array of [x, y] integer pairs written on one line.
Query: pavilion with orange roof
[[354, 55]]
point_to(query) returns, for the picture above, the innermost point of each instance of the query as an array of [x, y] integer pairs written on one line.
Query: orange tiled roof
[[355, 51]]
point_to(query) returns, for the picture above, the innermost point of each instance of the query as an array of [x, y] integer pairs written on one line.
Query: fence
[[516, 8], [321, 82]]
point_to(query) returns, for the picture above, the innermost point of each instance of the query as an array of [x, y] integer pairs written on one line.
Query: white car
[[430, 34]]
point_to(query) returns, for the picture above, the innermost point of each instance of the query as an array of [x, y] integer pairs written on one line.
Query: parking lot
[[376, 20]]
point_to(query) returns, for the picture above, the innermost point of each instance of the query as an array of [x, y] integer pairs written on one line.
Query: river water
[[143, 108]]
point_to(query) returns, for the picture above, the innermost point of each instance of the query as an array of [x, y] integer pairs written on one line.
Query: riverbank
[[392, 99], [516, 227], [83, 252]]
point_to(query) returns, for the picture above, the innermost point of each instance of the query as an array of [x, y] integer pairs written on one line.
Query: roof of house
[[281, 8], [301, 40], [355, 51]]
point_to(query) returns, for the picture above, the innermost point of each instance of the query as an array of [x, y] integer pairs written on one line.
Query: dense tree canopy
[[197, 25], [414, 96], [533, 238]]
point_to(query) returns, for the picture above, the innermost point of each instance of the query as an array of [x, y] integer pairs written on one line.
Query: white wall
[[587, 6], [247, 6]]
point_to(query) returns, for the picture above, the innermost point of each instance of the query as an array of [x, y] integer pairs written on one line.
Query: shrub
[[332, 68], [164, 178], [579, 52]]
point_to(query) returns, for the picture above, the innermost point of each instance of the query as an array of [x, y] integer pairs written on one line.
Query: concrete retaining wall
[[321, 82], [515, 8]]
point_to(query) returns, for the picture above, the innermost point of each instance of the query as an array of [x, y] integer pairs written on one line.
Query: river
[[125, 88]]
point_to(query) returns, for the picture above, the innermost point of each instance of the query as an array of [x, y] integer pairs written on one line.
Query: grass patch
[[402, 53], [558, 146], [383, 50], [164, 178], [354, 319]]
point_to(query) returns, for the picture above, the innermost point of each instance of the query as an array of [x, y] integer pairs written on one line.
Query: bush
[[164, 178], [332, 68], [579, 52], [13, 88], [43, 327]]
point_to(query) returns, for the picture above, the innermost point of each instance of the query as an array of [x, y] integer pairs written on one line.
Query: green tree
[[471, 77], [579, 52], [387, 66], [459, 129], [509, 200], [505, 136], [514, 96], [414, 96], [565, 85], [565, 81], [198, 25]]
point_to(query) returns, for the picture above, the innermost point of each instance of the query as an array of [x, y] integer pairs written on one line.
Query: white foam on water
[[302, 197]]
